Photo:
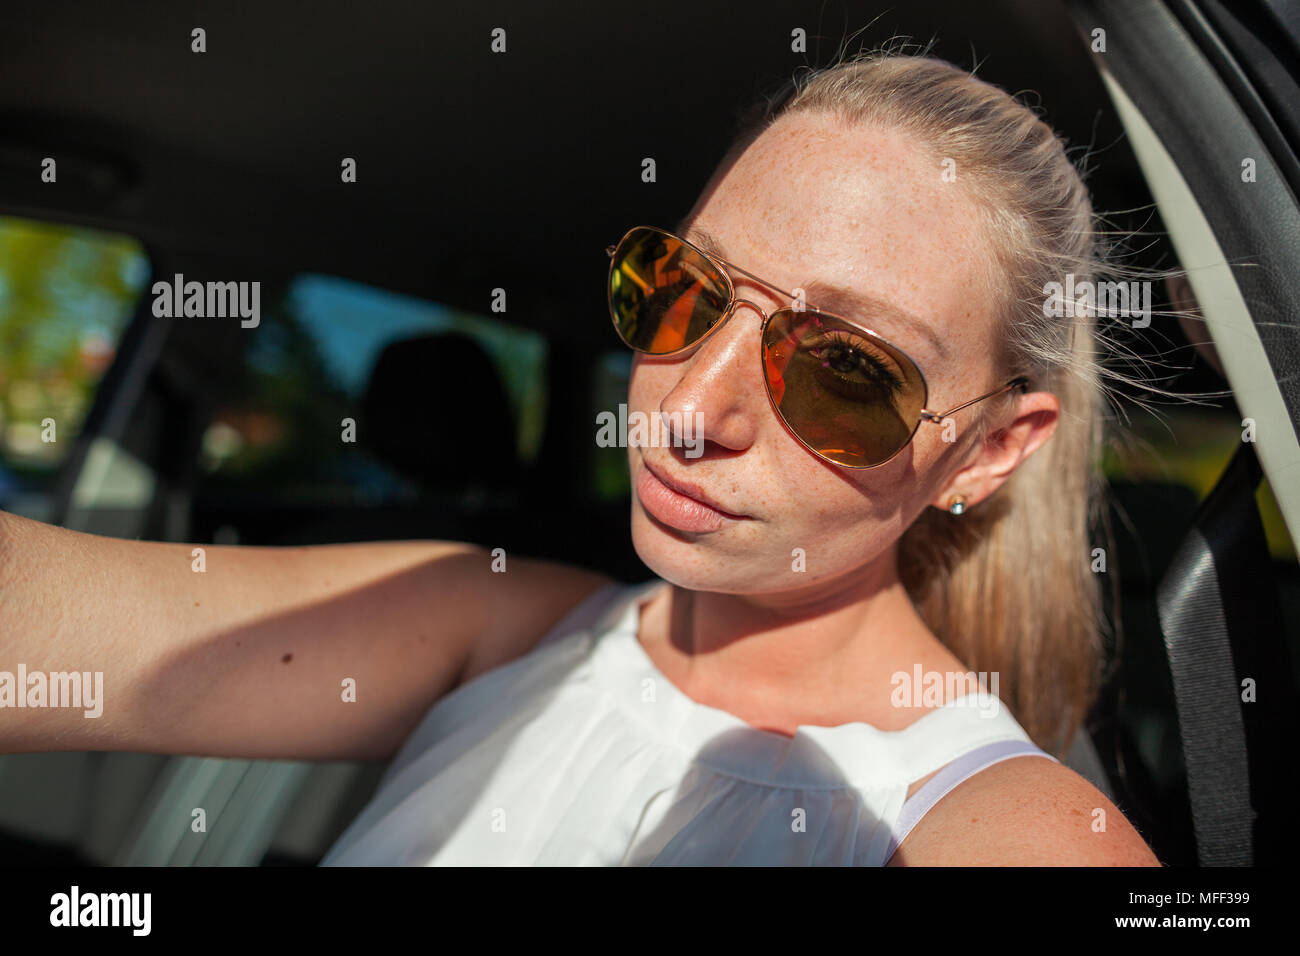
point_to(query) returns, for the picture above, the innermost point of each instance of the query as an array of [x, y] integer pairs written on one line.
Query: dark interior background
[[475, 169]]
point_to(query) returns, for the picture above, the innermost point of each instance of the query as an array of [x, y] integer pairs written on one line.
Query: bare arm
[[254, 656]]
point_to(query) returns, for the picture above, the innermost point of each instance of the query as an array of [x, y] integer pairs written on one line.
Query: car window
[[293, 423], [66, 296], [1189, 446]]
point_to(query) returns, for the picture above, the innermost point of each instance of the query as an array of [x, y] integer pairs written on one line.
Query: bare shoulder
[[1025, 811]]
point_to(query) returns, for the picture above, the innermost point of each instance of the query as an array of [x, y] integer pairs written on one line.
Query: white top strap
[[947, 779]]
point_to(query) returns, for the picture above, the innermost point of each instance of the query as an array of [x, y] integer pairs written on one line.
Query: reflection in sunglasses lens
[[663, 295]]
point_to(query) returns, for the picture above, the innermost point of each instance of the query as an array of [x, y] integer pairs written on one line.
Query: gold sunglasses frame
[[722, 266]]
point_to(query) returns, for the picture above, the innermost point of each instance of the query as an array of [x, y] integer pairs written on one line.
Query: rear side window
[[351, 395], [66, 296]]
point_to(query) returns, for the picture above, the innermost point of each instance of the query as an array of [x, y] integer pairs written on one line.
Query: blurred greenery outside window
[[307, 368], [66, 296], [609, 390]]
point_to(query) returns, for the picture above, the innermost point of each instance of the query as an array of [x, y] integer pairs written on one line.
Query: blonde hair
[[1008, 586]]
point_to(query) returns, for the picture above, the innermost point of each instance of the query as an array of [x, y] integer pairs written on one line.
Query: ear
[[1034, 418]]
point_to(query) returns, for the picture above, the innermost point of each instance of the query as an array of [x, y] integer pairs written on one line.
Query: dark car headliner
[[475, 169]]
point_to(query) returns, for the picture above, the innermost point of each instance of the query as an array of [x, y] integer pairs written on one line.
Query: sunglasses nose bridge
[[738, 302], [731, 310]]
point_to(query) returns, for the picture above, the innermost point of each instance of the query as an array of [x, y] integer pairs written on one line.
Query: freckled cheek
[[842, 526], [649, 384], [929, 465]]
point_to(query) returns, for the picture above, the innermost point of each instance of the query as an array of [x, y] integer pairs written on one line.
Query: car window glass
[[66, 296]]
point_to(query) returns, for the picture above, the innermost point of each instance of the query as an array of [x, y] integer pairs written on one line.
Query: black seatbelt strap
[[1216, 566]]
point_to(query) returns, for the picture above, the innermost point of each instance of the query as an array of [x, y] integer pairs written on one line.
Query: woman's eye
[[854, 364], [842, 360]]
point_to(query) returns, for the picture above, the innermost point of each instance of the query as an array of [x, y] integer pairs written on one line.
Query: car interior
[[467, 257]]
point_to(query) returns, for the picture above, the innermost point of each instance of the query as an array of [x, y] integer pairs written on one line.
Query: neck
[[813, 655]]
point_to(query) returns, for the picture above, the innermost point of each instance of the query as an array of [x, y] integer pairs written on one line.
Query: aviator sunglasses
[[843, 391]]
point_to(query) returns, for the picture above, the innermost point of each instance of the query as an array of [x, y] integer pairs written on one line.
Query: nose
[[721, 393]]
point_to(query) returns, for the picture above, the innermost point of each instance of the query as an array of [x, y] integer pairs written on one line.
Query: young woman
[[894, 490]]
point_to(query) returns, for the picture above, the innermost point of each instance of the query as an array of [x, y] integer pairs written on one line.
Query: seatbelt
[[1224, 555]]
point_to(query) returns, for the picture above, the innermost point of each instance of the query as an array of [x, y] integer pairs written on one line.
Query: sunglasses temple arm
[[1020, 382]]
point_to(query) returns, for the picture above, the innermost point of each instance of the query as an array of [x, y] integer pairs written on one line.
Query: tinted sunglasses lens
[[663, 295], [845, 394]]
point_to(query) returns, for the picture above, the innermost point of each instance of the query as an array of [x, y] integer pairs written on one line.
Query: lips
[[680, 504]]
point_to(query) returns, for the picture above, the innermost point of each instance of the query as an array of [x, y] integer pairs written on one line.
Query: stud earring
[[957, 506]]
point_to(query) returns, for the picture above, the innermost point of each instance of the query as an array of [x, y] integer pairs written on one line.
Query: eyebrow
[[833, 298]]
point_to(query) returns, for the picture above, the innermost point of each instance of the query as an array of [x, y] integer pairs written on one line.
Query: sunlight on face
[[811, 201]]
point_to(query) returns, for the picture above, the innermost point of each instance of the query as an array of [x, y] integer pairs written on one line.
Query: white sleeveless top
[[583, 753]]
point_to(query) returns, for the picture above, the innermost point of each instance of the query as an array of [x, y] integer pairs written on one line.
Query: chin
[[706, 562], [685, 560], [731, 561]]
